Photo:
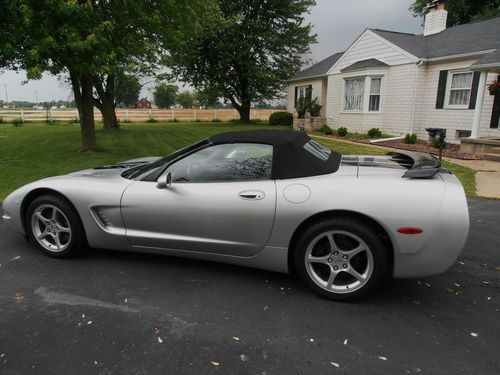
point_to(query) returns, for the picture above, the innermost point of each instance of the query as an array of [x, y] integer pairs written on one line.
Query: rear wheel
[[340, 259], [55, 227]]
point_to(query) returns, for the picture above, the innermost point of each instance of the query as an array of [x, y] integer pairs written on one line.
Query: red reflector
[[410, 230]]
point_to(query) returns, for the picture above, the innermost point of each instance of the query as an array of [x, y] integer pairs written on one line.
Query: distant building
[[144, 103]]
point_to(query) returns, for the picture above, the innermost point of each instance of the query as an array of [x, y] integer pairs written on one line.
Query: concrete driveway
[[120, 313]]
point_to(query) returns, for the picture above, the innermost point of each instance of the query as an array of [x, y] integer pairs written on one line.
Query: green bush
[[342, 132], [151, 120], [306, 105], [436, 143], [216, 120], [173, 120], [127, 121], [17, 122], [325, 129], [374, 133], [1, 120], [280, 118], [410, 139]]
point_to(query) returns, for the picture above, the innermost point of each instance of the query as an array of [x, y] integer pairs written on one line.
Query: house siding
[[370, 46], [452, 119], [396, 103], [319, 90]]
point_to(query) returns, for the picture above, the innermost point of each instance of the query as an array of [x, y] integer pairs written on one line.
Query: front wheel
[[340, 259], [55, 227]]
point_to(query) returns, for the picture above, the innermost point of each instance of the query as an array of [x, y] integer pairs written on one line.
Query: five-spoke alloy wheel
[[340, 258], [54, 226]]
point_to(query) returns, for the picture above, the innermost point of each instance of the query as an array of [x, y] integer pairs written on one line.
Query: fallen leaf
[[215, 363], [236, 338], [462, 263], [485, 282], [382, 358], [244, 357], [19, 297], [160, 340], [456, 284], [95, 363], [15, 258], [474, 334], [89, 322], [346, 341], [335, 364], [125, 300], [311, 340], [264, 355], [83, 316]]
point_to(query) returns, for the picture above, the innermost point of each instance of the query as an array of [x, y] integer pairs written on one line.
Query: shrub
[[17, 122], [325, 129], [307, 105], [234, 120], [1, 120], [127, 121], [342, 132], [216, 120], [173, 120], [410, 139], [280, 118], [151, 120], [374, 133], [197, 120], [436, 143]]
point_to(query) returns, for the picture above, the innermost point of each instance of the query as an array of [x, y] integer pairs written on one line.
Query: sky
[[337, 24]]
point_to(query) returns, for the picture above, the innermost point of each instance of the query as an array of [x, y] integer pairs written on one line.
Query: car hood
[[112, 170]]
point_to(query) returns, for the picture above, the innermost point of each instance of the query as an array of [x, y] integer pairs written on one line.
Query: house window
[[375, 86], [362, 94], [460, 89], [353, 94], [302, 91]]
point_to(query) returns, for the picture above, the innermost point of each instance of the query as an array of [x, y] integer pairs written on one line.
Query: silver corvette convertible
[[275, 200]]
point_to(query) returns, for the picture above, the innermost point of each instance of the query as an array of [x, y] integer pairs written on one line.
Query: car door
[[221, 200]]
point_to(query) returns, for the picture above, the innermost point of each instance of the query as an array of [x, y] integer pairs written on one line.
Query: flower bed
[[451, 150]]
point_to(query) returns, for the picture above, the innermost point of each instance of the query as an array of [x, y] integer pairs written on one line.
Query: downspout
[[414, 104]]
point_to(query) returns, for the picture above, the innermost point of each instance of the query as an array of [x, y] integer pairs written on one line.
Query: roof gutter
[[306, 78], [459, 56]]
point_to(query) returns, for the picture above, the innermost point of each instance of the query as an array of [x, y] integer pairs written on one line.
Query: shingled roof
[[319, 69], [364, 64], [468, 38]]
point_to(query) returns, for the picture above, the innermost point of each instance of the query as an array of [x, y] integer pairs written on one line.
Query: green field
[[31, 152]]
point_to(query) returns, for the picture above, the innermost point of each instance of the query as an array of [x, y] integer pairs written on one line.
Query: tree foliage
[[129, 89], [94, 42], [248, 53], [206, 97], [165, 95], [461, 11], [185, 99]]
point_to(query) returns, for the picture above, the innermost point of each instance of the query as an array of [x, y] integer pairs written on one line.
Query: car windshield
[[140, 170]]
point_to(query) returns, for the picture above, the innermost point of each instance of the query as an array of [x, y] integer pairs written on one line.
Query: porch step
[[492, 157], [495, 150]]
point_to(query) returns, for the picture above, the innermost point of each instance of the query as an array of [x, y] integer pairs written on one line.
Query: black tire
[[75, 240], [311, 272]]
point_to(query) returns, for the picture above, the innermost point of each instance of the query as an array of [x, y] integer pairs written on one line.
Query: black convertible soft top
[[294, 153]]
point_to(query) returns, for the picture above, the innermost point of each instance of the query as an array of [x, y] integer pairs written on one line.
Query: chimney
[[435, 19]]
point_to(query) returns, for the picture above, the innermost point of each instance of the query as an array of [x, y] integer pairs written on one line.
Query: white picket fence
[[134, 115]]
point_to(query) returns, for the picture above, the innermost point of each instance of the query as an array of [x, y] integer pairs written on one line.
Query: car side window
[[227, 162]]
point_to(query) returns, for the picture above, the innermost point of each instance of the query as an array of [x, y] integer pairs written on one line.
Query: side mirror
[[164, 182]]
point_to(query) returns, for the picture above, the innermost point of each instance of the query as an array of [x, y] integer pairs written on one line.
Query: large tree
[[165, 95], [249, 53], [95, 42], [185, 99], [461, 11], [206, 97]]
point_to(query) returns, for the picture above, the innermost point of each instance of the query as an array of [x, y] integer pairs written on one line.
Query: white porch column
[[479, 105]]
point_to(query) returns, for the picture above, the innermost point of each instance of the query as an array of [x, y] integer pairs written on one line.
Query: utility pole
[[6, 94]]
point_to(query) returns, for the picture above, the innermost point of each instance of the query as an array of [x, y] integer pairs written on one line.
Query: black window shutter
[[473, 92], [495, 113], [309, 93], [295, 98], [443, 76]]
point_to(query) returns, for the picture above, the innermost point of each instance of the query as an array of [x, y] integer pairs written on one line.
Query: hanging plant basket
[[494, 88]]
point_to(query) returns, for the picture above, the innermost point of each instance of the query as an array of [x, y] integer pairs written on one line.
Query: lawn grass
[[31, 152]]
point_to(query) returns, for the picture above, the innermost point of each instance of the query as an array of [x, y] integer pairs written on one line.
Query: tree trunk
[[108, 114], [105, 101], [244, 112], [84, 99]]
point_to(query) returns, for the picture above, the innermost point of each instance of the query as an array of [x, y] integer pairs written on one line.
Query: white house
[[404, 83]]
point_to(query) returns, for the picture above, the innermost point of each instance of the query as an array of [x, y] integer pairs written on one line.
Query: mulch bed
[[451, 150]]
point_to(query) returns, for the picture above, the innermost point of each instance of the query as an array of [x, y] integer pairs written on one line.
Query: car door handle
[[252, 195]]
